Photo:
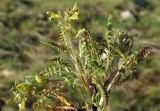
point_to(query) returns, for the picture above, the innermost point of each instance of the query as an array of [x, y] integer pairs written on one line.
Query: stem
[[77, 66], [113, 81], [79, 69], [115, 77]]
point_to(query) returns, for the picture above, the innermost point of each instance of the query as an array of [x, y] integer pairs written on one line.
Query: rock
[[129, 14], [8, 73], [126, 14]]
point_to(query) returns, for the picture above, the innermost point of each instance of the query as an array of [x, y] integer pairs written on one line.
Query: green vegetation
[[24, 23], [89, 67]]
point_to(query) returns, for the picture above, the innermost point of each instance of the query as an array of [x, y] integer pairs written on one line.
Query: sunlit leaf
[[21, 87], [52, 15], [75, 7], [38, 79], [74, 16], [119, 53], [22, 105]]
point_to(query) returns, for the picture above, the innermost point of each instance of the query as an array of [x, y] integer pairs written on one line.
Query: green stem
[[115, 77]]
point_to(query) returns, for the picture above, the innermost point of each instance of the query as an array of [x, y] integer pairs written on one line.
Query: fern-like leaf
[[104, 98], [55, 46], [59, 60]]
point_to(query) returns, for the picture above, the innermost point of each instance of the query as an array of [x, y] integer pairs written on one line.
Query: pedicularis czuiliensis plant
[[91, 69]]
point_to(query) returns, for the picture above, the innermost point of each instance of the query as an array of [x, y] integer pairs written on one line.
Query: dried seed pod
[[125, 42], [145, 52]]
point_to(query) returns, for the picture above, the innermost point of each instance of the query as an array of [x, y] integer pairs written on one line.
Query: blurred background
[[23, 23]]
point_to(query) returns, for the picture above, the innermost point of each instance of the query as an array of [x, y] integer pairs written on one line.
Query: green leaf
[[120, 53], [38, 79], [22, 105], [21, 87], [109, 23], [52, 15], [75, 7], [58, 60], [103, 98], [55, 46], [29, 80], [80, 32], [74, 16]]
